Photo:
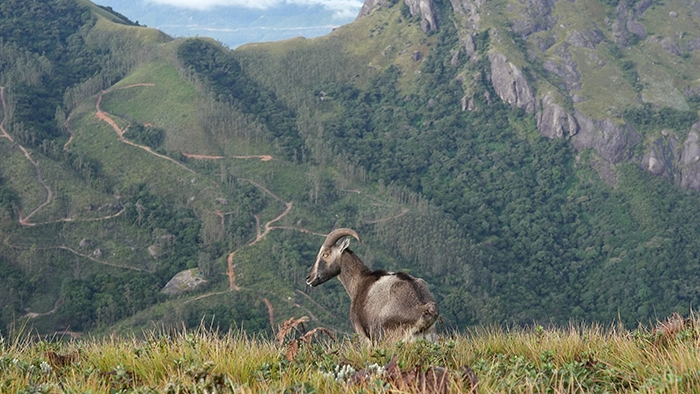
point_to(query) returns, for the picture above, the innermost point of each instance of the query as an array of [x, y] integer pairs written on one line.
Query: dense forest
[[223, 75], [552, 239], [506, 225]]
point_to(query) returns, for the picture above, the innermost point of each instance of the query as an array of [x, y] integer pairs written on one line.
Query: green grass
[[142, 34], [20, 175], [167, 105], [574, 359]]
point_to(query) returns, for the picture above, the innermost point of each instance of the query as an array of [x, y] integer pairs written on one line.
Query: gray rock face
[[661, 158], [510, 84], [679, 165], [184, 281], [670, 46], [553, 121], [454, 61], [587, 39], [155, 251], [470, 8], [565, 68], [694, 44], [640, 7], [536, 16], [636, 28], [652, 163], [425, 9], [368, 6], [613, 143], [468, 104], [625, 27], [469, 45], [690, 160]]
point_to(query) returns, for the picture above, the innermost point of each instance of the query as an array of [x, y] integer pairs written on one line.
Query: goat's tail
[[429, 315]]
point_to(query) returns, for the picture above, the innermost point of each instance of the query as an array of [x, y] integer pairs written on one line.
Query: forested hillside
[[129, 157]]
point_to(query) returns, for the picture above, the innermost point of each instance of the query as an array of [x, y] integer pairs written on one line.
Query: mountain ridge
[[611, 137]]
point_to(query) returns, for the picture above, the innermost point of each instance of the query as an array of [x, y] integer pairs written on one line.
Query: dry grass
[[574, 359]]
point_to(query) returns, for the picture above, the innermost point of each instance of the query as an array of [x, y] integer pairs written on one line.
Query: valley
[[482, 155]]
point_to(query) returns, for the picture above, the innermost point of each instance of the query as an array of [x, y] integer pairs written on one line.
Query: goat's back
[[397, 301]]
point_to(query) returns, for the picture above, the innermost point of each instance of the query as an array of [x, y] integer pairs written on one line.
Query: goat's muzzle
[[312, 282]]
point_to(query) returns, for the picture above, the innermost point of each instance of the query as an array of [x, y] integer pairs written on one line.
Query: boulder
[[690, 160], [426, 10], [553, 121], [670, 46], [469, 8], [510, 83], [423, 8], [368, 6], [183, 281], [612, 142]]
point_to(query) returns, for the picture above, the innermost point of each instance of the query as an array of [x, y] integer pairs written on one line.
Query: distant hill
[[233, 26]]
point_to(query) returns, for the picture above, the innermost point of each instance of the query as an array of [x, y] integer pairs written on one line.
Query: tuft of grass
[[583, 358]]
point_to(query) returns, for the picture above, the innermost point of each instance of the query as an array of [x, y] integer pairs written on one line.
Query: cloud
[[340, 8], [204, 4]]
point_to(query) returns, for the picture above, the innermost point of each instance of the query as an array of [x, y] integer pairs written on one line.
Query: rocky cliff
[[587, 64], [423, 8]]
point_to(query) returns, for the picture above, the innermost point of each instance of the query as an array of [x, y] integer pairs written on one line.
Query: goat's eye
[[325, 255]]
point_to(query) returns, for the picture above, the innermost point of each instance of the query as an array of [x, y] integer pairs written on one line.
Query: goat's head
[[327, 264]]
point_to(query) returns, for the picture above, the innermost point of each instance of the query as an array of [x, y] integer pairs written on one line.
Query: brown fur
[[382, 303]]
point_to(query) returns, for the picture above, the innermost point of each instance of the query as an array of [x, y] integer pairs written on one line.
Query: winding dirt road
[[4, 115], [49, 193], [69, 249], [66, 124], [207, 157], [105, 117], [24, 220], [34, 315]]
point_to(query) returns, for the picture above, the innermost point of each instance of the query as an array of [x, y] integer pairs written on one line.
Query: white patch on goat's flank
[[379, 303], [381, 288]]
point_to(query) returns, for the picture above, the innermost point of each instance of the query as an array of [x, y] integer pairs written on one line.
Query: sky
[[341, 8]]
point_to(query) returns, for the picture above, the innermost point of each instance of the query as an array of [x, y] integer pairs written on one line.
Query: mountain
[[510, 161], [235, 25]]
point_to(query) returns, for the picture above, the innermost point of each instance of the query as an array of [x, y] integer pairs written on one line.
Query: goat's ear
[[344, 245]]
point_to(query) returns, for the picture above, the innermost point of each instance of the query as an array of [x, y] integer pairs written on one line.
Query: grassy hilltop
[[127, 157], [590, 359]]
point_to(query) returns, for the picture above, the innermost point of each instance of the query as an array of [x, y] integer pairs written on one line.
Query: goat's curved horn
[[335, 235]]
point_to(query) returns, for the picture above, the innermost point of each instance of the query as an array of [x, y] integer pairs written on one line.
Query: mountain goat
[[383, 304]]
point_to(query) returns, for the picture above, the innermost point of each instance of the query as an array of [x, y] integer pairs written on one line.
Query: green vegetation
[[229, 83], [589, 359], [150, 136], [648, 118], [147, 157], [52, 34]]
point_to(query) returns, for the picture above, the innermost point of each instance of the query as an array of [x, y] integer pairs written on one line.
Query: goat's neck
[[351, 270]]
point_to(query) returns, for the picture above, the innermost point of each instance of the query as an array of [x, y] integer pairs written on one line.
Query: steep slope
[[454, 111], [618, 77]]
